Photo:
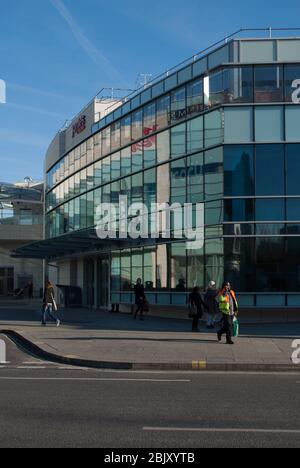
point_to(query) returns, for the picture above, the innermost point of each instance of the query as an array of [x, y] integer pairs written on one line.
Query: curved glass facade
[[229, 139]]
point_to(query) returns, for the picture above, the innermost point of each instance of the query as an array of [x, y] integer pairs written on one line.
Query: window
[[293, 169], [115, 136], [178, 181], [178, 267], [137, 157], [163, 112], [213, 173], [270, 170], [137, 188], [90, 177], [292, 115], [98, 173], [163, 183], [239, 171], [178, 140], [106, 141], [238, 125], [149, 119], [239, 210], [270, 259], [195, 99], [291, 73], [293, 209], [126, 162], [149, 151], [270, 210], [163, 146], [106, 170], [240, 263], [137, 125], [195, 268], [195, 178], [195, 135], [214, 132], [126, 131], [268, 85], [26, 217], [178, 105], [149, 188], [269, 124], [149, 269], [115, 166]]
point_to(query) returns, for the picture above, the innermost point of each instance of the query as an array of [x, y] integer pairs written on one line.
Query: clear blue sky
[[55, 55]]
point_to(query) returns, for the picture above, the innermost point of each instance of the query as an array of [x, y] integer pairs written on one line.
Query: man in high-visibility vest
[[228, 306]]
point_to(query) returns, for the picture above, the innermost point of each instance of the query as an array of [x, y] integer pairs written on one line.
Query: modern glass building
[[223, 130]]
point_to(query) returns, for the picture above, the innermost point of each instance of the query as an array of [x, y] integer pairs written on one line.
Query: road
[[47, 405]]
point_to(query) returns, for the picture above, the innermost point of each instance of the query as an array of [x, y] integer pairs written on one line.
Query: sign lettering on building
[[296, 93], [79, 126]]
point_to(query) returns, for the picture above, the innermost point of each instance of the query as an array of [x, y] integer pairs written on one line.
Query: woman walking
[[196, 305], [49, 304], [228, 305]]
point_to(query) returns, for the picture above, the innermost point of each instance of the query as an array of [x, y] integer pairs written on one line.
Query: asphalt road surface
[[49, 405]]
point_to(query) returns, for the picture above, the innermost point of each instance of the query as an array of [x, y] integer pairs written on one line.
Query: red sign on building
[[79, 126]]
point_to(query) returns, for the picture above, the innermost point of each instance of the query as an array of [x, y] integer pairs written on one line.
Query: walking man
[[139, 292], [228, 305], [49, 304]]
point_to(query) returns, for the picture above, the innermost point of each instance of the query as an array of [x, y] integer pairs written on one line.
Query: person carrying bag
[[49, 304]]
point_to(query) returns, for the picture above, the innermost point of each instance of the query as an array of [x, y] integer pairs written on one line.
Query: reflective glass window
[[115, 136], [97, 146], [163, 183], [106, 141], [270, 209], [115, 166], [178, 104], [293, 209], [178, 140], [292, 118], [239, 210], [149, 151], [270, 170], [98, 173], [149, 119], [178, 267], [269, 124], [239, 171], [106, 170], [293, 169], [240, 263], [137, 188], [195, 97], [268, 84], [178, 181], [126, 131], [126, 162], [163, 108], [163, 146], [137, 125], [150, 268], [292, 264], [195, 134], [149, 188], [238, 124], [270, 259], [195, 178], [214, 131], [137, 156], [213, 173]]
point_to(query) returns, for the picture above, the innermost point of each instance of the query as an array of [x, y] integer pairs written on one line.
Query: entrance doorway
[[103, 282], [7, 283]]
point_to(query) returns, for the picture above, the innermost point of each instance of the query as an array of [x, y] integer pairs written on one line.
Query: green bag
[[236, 327]]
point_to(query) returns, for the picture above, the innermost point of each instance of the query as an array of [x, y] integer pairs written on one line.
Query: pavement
[[102, 340]]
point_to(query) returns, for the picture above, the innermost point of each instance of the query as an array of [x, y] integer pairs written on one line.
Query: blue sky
[[55, 55]]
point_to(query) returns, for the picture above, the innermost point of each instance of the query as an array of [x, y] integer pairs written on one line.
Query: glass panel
[[239, 171], [213, 170], [137, 188], [195, 134], [195, 267], [270, 229], [214, 131], [115, 271], [270, 210], [293, 264], [126, 270], [195, 179], [239, 210], [238, 125], [293, 209], [195, 98], [185, 74], [106, 141], [268, 85], [178, 140], [292, 118], [149, 188], [163, 183], [178, 267], [291, 73], [98, 173], [293, 169], [150, 151], [115, 166], [178, 105], [162, 268], [240, 263], [178, 181], [137, 157], [126, 131], [270, 170], [269, 124], [270, 259], [126, 162], [163, 146], [150, 269], [149, 119], [106, 170], [137, 125], [163, 112]]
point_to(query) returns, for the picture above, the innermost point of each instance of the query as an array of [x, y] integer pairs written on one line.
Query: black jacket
[[195, 299], [48, 296]]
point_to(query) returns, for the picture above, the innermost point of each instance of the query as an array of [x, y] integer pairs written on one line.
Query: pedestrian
[[115, 308], [210, 300], [139, 292], [228, 305], [196, 305], [49, 304]]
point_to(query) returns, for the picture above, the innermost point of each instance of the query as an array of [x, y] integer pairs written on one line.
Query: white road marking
[[31, 367], [220, 430]]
